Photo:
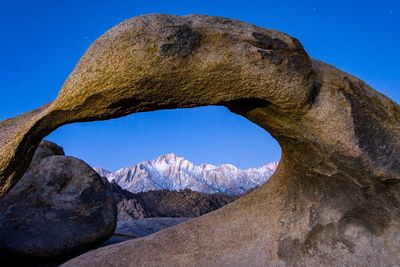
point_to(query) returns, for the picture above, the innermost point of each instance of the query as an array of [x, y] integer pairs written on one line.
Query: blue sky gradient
[[42, 40]]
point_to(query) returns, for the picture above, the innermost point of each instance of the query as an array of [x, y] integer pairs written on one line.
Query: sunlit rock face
[[334, 199]]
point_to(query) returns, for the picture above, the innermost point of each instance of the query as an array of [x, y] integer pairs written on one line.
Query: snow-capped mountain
[[176, 173]]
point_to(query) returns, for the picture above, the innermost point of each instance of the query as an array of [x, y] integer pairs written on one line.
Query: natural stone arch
[[335, 196]]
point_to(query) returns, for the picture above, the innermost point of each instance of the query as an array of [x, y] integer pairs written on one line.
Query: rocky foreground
[[61, 208], [335, 197]]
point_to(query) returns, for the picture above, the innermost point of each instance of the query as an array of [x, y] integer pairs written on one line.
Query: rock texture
[[176, 173], [128, 206], [334, 199], [185, 203], [166, 203], [58, 207]]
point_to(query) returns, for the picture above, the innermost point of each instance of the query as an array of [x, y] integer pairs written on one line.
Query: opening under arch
[[210, 134]]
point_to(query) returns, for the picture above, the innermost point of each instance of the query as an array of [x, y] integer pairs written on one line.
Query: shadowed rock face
[[166, 203], [335, 198], [60, 206]]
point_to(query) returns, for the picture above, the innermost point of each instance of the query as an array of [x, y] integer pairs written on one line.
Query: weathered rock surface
[[158, 62], [127, 205], [335, 198], [58, 207], [46, 149]]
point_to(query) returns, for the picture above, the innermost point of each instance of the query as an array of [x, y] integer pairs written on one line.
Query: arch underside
[[335, 197]]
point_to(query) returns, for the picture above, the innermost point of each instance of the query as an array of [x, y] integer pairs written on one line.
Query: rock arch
[[335, 198]]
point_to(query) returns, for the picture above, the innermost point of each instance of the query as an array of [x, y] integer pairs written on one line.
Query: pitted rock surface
[[335, 198]]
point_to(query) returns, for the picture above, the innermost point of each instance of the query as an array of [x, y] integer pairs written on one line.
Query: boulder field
[[335, 197]]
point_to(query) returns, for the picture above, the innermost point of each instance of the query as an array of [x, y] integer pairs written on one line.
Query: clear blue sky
[[42, 40]]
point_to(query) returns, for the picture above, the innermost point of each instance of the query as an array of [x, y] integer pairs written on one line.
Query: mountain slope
[[176, 173], [166, 203]]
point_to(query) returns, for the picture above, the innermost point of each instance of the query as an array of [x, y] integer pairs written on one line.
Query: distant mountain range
[[176, 173]]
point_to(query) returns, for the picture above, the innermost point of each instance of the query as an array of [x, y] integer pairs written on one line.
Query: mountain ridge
[[172, 172]]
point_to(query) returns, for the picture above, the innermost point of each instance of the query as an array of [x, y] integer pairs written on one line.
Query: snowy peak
[[170, 160], [102, 172], [170, 156], [272, 165], [172, 172]]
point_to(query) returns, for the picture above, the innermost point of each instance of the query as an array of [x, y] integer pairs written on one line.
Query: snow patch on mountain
[[172, 172]]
